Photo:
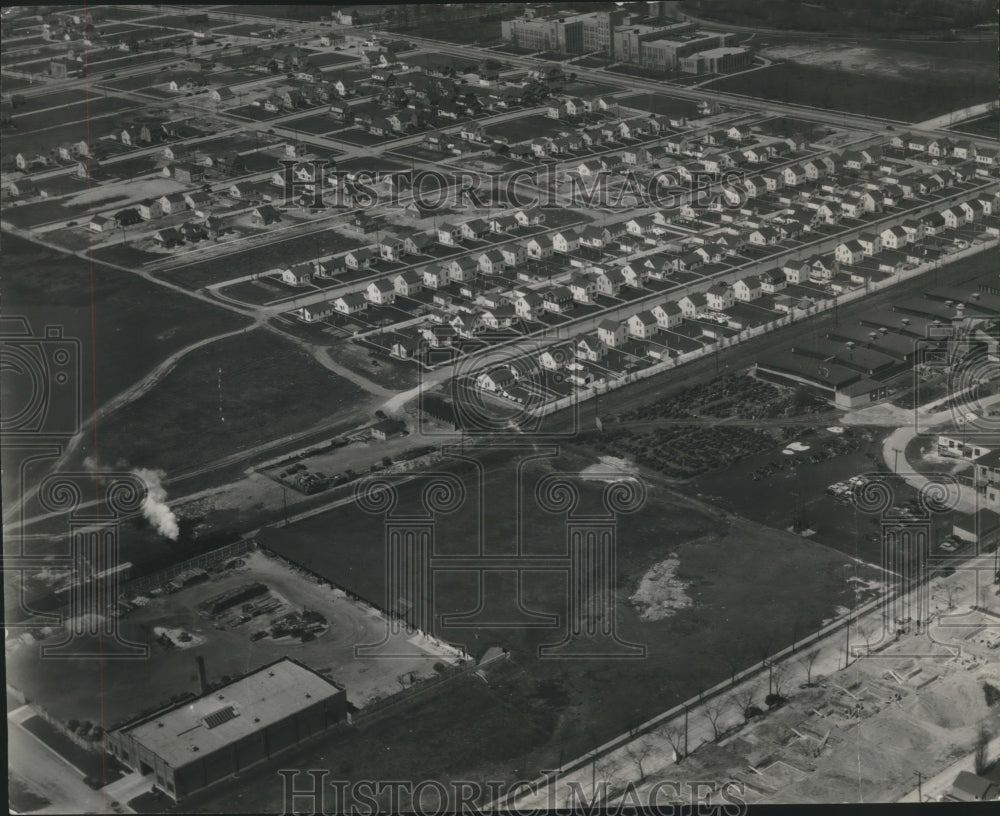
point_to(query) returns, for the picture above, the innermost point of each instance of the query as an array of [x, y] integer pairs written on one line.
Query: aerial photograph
[[500, 407]]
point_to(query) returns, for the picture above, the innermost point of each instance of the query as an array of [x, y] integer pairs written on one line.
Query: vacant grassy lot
[[12, 83], [269, 388], [290, 12], [526, 128], [988, 126], [751, 587], [36, 103], [95, 106], [99, 307], [904, 98], [330, 58], [285, 252], [660, 104]]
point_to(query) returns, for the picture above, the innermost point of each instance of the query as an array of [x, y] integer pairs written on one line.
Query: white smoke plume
[[154, 506]]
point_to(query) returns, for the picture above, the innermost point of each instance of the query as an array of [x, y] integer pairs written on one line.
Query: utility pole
[[847, 644], [685, 730], [920, 792]]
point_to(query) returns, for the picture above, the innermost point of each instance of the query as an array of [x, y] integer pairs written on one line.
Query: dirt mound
[[660, 592]]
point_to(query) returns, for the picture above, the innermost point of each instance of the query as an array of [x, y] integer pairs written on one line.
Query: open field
[[880, 58], [96, 306], [262, 378], [905, 97]]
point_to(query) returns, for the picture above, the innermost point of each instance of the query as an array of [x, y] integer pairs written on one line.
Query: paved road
[[46, 773]]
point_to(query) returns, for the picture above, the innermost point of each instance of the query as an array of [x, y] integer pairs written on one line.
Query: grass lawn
[[436, 61], [292, 11], [291, 250], [526, 128], [96, 106], [988, 126], [661, 104], [331, 58], [49, 288], [90, 763], [784, 125], [270, 387], [314, 123], [13, 83], [910, 99], [37, 103], [751, 586]]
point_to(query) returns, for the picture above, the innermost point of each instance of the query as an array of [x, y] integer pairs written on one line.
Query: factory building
[[230, 728]]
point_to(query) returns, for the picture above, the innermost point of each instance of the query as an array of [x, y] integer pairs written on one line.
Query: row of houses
[[914, 230], [945, 147]]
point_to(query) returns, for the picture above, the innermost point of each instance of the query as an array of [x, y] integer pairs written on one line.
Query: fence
[[145, 583], [797, 314]]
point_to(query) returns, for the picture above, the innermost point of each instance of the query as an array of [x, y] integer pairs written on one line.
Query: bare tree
[[779, 677], [637, 751], [982, 759], [743, 699], [675, 736], [951, 593], [603, 771], [808, 660], [865, 631], [713, 712]]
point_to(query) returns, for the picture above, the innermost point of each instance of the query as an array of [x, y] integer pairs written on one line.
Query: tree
[[601, 770], [983, 737], [779, 678], [713, 712], [808, 660], [865, 631], [637, 751], [743, 699], [675, 736]]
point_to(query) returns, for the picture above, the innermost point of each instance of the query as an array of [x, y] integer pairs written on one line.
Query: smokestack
[[202, 679]]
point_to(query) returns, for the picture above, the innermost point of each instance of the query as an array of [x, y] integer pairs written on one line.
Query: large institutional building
[[627, 38], [229, 729]]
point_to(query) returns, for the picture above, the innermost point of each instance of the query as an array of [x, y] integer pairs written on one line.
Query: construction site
[[865, 714]]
